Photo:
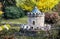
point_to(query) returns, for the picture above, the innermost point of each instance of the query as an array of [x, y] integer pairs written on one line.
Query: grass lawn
[[22, 20]]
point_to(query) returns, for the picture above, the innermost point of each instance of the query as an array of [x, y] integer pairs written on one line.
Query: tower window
[[33, 22]]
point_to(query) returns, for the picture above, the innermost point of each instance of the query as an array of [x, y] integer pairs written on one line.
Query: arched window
[[33, 22]]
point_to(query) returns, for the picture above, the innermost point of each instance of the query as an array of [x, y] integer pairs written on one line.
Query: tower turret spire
[[36, 10]]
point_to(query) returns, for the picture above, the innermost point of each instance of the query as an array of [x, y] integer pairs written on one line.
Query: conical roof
[[35, 10]]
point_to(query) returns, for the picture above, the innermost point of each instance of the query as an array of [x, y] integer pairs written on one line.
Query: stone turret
[[36, 18]]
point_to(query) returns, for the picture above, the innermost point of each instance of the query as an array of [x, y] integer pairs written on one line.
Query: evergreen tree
[[9, 2]]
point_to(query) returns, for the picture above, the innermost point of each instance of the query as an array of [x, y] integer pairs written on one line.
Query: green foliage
[[13, 12], [9, 2], [7, 32]]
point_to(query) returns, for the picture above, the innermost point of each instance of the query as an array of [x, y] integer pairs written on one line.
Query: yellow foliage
[[1, 12], [43, 5], [1, 29], [7, 26]]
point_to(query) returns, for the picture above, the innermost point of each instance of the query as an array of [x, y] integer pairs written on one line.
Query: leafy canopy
[[43, 5]]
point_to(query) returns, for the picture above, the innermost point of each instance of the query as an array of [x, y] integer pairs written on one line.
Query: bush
[[13, 12], [51, 17]]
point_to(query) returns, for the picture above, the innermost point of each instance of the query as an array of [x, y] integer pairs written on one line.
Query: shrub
[[51, 17], [13, 12]]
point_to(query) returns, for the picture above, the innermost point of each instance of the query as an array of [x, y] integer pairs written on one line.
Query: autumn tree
[[43, 5]]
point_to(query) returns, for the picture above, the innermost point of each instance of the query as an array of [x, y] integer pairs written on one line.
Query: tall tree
[[9, 2], [43, 5]]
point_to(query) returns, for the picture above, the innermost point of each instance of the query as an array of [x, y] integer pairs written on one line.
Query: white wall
[[39, 21]]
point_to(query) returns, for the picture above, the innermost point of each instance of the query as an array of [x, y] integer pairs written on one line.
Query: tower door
[[33, 22]]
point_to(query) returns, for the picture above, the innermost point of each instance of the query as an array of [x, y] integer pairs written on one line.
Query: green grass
[[22, 20], [16, 28]]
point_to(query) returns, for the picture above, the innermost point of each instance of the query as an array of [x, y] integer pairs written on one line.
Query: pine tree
[[9, 2]]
